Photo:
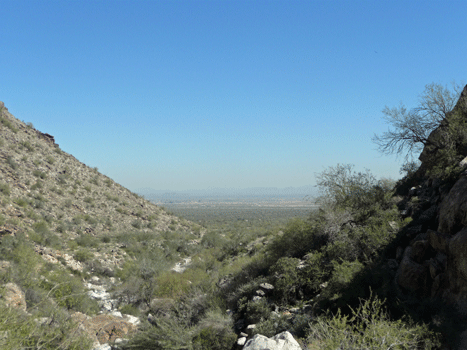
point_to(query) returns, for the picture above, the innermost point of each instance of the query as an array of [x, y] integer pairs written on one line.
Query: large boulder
[[281, 341], [411, 275], [453, 209], [105, 328], [457, 262]]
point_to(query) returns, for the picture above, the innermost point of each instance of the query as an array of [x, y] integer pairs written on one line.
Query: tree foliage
[[409, 129], [342, 187]]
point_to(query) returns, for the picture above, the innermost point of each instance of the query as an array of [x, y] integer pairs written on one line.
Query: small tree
[[344, 188], [409, 129]]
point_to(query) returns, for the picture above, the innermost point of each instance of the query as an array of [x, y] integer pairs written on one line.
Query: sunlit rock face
[[282, 341]]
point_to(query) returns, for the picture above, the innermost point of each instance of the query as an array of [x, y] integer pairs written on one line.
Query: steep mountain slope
[[64, 229], [41, 182]]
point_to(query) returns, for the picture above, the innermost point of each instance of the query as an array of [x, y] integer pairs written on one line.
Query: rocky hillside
[[59, 216], [431, 256], [40, 182]]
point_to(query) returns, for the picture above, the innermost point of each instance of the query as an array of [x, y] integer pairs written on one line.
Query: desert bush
[[69, 292], [257, 311], [286, 279], [299, 237], [39, 174], [90, 220], [136, 224], [8, 124], [49, 159], [5, 189], [62, 178], [44, 236], [95, 180], [11, 162], [369, 327], [171, 284], [213, 240], [27, 145], [78, 219], [216, 332], [24, 332], [22, 202], [166, 333], [38, 185], [342, 187], [83, 255], [85, 240]]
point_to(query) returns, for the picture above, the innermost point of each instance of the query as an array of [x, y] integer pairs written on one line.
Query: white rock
[[116, 313], [132, 319], [103, 347], [241, 341], [281, 341]]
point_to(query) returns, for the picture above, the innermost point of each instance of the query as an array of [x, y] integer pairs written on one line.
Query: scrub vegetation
[[199, 282]]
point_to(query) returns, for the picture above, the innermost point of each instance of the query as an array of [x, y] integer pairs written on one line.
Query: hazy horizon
[[206, 94]]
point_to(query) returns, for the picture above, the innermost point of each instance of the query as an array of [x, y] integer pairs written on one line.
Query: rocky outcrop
[[434, 263], [282, 341], [453, 209], [103, 328], [14, 296]]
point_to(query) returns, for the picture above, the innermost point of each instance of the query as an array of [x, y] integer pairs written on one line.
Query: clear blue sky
[[232, 94]]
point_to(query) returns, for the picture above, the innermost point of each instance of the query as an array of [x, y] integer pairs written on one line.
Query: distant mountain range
[[229, 193]]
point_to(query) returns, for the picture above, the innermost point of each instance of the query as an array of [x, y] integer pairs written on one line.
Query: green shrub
[[213, 240], [11, 162], [214, 338], [44, 236], [62, 178], [90, 220], [39, 174], [287, 282], [136, 224], [69, 292], [25, 332], [83, 255], [129, 309], [22, 202], [86, 240], [38, 185], [342, 187], [8, 124], [369, 327], [299, 237], [257, 311], [27, 145], [167, 333], [95, 180], [78, 219], [49, 159]]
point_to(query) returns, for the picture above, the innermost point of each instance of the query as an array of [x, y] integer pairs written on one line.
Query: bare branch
[[409, 130]]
